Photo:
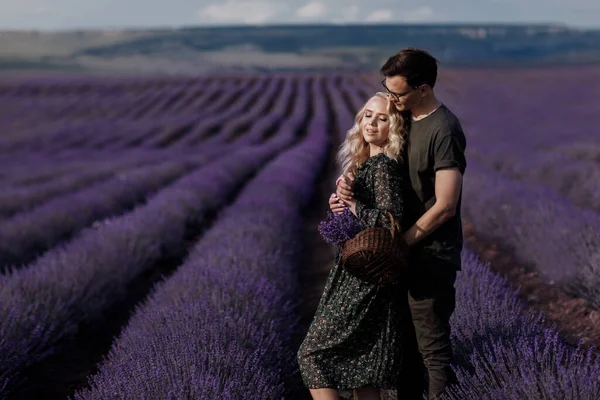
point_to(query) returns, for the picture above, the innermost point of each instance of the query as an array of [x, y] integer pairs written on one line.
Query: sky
[[109, 14]]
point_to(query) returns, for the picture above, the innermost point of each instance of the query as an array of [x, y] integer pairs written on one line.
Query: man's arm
[[448, 183]]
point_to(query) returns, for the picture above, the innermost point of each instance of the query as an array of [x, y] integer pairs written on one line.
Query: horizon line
[[304, 25]]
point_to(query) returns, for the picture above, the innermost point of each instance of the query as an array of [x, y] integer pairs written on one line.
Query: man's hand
[[335, 204], [448, 184], [345, 187]]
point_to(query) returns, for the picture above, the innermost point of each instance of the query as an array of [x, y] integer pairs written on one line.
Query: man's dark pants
[[426, 341]]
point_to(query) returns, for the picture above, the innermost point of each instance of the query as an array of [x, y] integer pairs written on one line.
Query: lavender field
[[158, 236]]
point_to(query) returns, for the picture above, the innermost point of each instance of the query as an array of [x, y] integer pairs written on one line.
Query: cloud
[[421, 14], [348, 14], [239, 12], [312, 10], [380, 16]]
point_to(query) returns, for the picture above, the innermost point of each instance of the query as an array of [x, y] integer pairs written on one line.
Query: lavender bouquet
[[338, 228]]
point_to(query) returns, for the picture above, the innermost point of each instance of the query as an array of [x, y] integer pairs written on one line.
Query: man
[[435, 162]]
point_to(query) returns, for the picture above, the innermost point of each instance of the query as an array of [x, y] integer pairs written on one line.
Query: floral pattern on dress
[[354, 338]]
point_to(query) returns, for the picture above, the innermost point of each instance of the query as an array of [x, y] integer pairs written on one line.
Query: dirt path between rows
[[575, 318]]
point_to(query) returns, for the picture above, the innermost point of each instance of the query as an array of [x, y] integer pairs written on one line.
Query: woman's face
[[375, 123]]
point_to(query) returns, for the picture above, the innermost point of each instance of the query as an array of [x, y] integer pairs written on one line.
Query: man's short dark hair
[[417, 66]]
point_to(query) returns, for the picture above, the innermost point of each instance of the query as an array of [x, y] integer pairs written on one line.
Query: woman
[[353, 341]]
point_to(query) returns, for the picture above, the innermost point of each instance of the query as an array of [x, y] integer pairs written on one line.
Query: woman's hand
[[351, 205], [336, 205], [345, 187]]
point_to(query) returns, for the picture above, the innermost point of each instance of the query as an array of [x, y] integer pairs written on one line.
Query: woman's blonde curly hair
[[355, 149]]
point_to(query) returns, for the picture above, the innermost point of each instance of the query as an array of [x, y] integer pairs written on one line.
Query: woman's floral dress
[[354, 338]]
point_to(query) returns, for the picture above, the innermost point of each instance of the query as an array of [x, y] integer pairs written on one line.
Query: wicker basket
[[377, 255]]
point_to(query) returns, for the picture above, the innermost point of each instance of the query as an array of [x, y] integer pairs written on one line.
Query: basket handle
[[395, 226]]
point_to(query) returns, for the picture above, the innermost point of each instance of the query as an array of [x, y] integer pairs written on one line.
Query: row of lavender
[[27, 234], [298, 117], [540, 119], [94, 191], [542, 228], [534, 180], [118, 100], [576, 178], [45, 303], [81, 145], [129, 121], [220, 327], [505, 351], [26, 186]]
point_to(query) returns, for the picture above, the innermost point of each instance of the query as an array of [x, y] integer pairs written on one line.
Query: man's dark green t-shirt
[[434, 142]]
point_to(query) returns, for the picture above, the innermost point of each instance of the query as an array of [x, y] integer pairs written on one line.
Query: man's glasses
[[398, 95]]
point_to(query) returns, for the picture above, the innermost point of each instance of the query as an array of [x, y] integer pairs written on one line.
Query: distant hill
[[194, 50]]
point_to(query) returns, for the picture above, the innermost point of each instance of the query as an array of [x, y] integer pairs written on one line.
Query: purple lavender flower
[[338, 228]]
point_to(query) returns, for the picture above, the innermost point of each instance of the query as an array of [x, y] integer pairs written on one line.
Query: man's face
[[401, 94]]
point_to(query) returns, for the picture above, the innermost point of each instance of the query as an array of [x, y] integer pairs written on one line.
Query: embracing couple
[[403, 160]]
